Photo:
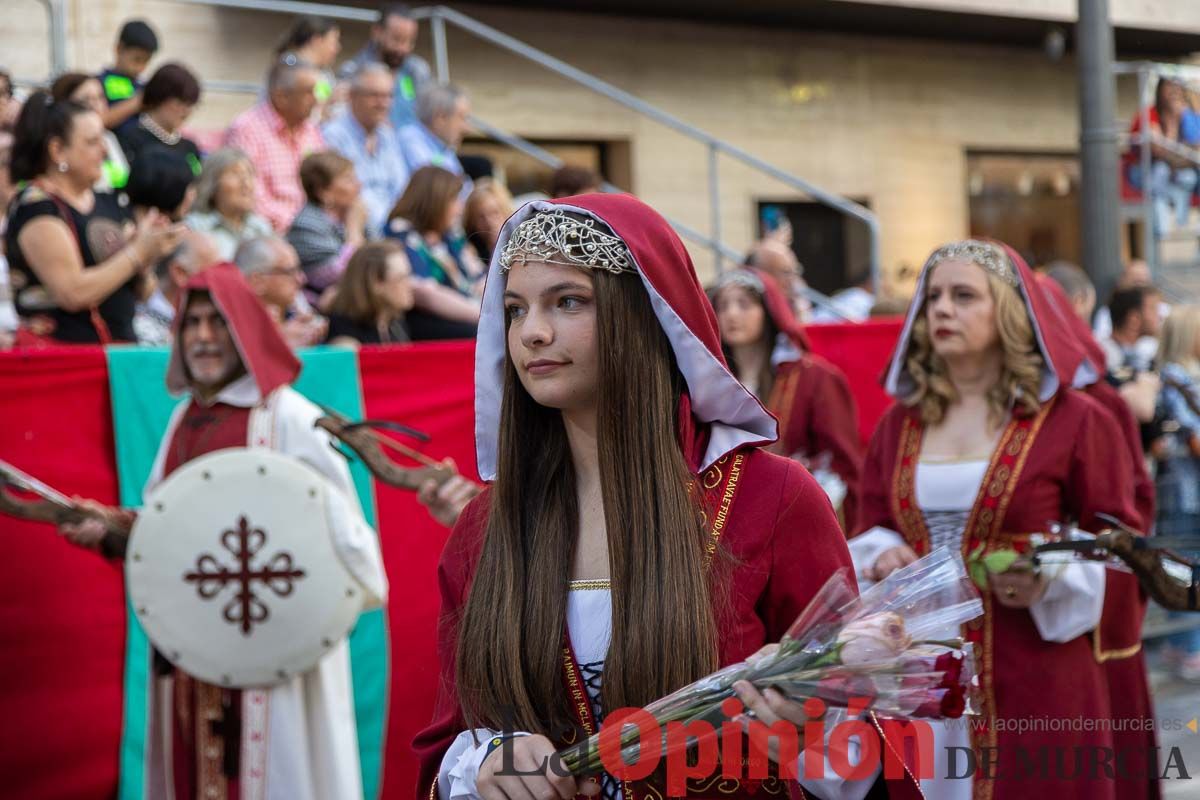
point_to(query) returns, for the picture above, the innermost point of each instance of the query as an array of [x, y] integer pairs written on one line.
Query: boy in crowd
[[136, 45]]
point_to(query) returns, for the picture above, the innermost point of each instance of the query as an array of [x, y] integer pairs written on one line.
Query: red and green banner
[[88, 421]]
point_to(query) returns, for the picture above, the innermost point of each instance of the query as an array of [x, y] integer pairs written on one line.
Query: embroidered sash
[[984, 529]]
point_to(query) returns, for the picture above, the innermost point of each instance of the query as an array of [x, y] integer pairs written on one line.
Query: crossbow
[[56, 508], [1172, 579], [367, 443]]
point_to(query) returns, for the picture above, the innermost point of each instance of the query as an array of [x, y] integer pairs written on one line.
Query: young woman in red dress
[[768, 351], [634, 537]]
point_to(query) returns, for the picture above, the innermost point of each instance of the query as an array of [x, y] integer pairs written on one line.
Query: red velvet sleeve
[[875, 479], [834, 430], [455, 569], [807, 547], [1100, 478]]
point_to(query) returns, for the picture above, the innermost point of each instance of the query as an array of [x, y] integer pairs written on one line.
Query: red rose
[[954, 703], [951, 666]]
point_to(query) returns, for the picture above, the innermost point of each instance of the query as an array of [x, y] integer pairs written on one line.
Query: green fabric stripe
[[141, 410]]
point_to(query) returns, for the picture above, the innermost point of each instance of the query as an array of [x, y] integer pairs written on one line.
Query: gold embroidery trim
[[718, 527], [577, 693], [1103, 655], [590, 585], [1016, 442]]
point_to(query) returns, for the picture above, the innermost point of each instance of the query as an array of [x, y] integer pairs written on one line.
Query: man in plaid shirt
[[277, 134]]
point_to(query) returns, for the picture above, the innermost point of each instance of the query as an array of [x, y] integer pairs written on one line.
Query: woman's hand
[[1018, 588], [304, 330], [535, 758], [447, 501], [889, 561], [770, 706], [155, 238]]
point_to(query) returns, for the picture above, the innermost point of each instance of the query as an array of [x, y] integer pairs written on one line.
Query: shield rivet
[[312, 492], [326, 642], [349, 593], [225, 679], [158, 506], [141, 611], [262, 470], [174, 655], [280, 674], [137, 557], [206, 475]]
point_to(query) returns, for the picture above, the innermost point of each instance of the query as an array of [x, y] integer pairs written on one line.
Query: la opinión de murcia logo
[[740, 749]]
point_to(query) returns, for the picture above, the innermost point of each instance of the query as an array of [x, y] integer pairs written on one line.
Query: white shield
[[232, 572]]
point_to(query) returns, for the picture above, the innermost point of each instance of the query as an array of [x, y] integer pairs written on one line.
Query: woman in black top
[[74, 265], [374, 302], [372, 297], [167, 102]]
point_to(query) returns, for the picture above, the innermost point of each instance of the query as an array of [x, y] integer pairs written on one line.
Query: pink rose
[[875, 638]]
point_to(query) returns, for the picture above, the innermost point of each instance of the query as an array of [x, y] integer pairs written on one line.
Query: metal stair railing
[[440, 16]]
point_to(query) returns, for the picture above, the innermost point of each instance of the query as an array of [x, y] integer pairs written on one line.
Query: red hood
[[1089, 349], [264, 352], [1055, 340]]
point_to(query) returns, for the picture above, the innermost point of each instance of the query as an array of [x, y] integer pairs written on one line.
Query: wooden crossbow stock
[[367, 443], [56, 508], [1172, 579]]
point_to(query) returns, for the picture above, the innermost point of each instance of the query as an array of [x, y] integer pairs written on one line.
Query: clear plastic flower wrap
[[893, 650]]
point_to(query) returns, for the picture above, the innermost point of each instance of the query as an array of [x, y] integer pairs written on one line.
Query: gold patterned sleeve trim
[[589, 585]]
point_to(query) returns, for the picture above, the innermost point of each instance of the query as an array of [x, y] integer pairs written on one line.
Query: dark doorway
[[834, 248]]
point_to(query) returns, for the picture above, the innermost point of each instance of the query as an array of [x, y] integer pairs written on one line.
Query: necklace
[[158, 131]]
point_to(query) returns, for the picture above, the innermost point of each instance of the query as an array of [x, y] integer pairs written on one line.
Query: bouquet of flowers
[[885, 651]]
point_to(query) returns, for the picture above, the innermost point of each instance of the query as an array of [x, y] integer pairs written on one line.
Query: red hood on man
[[256, 335]]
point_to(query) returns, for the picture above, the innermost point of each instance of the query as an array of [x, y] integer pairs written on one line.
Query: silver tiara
[[555, 237], [985, 254], [740, 277]]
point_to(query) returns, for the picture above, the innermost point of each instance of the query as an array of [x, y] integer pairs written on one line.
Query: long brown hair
[[429, 193], [508, 665], [356, 297]]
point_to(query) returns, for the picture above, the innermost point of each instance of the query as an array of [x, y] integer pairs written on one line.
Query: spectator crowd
[[339, 193]]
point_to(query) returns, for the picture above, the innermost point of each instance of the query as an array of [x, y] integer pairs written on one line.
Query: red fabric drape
[[62, 611], [428, 387], [862, 351]]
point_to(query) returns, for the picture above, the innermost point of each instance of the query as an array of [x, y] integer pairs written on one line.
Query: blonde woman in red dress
[[987, 444]]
